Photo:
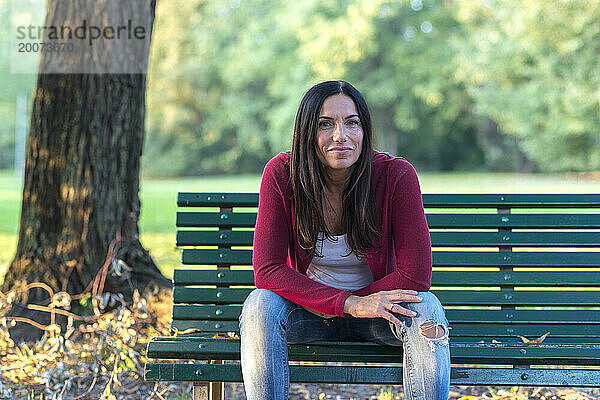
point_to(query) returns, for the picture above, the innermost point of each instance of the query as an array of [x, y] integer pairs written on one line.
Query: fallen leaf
[[538, 340], [176, 332]]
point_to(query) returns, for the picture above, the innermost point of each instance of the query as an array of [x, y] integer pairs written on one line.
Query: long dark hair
[[359, 218]]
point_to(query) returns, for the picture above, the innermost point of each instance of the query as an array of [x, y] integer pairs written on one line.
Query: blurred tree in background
[[399, 56], [227, 90], [533, 68], [452, 84], [224, 83]]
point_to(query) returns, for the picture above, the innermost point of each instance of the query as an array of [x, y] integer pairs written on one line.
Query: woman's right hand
[[382, 304]]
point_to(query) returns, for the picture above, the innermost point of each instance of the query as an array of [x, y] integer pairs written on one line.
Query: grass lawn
[[158, 196]]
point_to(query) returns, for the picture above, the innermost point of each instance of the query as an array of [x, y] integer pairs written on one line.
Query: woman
[[341, 252]]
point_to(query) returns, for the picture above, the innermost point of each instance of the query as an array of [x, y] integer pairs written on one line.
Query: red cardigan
[[404, 261]]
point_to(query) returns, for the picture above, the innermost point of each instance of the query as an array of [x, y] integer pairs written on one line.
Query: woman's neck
[[336, 180]]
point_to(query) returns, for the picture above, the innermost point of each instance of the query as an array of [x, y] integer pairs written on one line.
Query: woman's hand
[[382, 304]]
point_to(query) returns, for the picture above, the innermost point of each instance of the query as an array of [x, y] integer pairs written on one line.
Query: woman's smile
[[341, 150]]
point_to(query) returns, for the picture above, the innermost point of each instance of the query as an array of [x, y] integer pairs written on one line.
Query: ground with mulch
[[372, 392]]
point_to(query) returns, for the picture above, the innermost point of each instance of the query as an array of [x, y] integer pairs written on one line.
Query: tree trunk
[[80, 194]]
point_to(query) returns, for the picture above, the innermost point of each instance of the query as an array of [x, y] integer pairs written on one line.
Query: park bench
[[507, 268]]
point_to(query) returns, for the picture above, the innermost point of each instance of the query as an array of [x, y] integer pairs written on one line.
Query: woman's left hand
[[382, 304]]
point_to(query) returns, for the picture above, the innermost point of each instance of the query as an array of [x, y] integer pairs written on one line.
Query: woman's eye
[[324, 124], [353, 122]]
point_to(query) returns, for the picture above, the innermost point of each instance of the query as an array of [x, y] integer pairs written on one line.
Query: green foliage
[[533, 68], [386, 394], [405, 69], [208, 97], [223, 96]]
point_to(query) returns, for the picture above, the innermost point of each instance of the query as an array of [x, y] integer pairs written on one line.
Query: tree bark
[[81, 185]]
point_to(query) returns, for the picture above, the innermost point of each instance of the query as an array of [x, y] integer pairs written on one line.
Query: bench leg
[[200, 392], [211, 391], [217, 391]]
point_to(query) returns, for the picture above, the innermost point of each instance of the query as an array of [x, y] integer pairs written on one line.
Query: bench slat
[[223, 313], [516, 259], [511, 200], [213, 256], [447, 297], [218, 219], [385, 375], [514, 221], [434, 220], [211, 277], [550, 340], [440, 258], [452, 278], [458, 239], [214, 238], [192, 199], [205, 199], [529, 239], [479, 331], [502, 353]]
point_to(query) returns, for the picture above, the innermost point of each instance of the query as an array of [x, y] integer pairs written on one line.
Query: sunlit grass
[[159, 196], [163, 250], [450, 182], [10, 201], [8, 246]]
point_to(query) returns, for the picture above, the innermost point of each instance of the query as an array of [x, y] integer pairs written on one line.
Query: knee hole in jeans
[[434, 330], [435, 333]]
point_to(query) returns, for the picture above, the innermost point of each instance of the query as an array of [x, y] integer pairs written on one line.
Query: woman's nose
[[339, 133]]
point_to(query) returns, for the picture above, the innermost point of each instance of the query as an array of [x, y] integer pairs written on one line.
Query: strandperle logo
[[80, 36], [82, 32]]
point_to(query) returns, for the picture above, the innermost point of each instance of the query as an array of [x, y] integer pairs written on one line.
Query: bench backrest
[[504, 265]]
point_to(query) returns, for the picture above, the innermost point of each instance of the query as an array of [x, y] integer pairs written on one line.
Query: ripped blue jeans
[[269, 322]]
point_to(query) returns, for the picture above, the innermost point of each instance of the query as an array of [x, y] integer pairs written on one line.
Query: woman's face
[[339, 133]]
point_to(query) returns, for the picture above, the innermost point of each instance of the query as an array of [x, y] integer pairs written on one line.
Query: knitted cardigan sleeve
[[412, 241]]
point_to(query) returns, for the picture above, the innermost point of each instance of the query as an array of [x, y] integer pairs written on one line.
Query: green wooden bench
[[508, 269]]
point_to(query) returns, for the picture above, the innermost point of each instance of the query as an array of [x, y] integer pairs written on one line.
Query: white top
[[338, 266]]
